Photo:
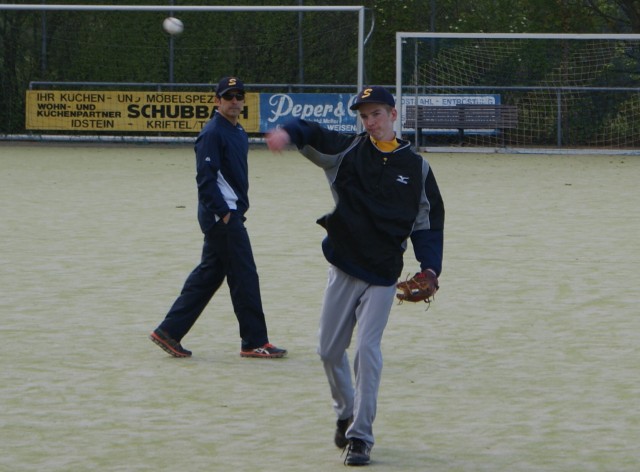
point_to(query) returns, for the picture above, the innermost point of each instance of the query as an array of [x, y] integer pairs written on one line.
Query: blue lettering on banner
[[451, 100], [331, 110]]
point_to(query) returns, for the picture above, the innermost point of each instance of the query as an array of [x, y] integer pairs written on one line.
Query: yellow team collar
[[385, 146]]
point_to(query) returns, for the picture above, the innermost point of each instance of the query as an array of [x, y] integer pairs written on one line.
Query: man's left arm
[[428, 235]]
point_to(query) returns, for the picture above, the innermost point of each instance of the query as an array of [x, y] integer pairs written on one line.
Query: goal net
[[570, 90], [112, 69]]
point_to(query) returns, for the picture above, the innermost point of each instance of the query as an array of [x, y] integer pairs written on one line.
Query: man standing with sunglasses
[[222, 177]]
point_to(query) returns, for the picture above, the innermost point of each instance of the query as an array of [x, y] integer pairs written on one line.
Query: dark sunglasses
[[230, 96]]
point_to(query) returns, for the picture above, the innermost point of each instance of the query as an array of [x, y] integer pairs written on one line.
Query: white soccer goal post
[[123, 48], [359, 9], [570, 90]]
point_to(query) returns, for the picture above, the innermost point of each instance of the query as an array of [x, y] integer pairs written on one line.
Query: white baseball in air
[[172, 25]]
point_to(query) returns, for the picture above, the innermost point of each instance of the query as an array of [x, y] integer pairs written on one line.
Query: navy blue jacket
[[382, 199], [222, 171]]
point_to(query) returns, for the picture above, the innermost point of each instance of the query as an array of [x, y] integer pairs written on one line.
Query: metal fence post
[[559, 126]]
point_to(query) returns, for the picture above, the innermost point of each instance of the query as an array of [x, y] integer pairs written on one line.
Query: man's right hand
[[278, 139]]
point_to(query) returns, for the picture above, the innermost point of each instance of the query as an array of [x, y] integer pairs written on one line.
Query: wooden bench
[[461, 118]]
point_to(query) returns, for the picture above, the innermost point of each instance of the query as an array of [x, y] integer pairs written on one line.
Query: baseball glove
[[419, 288]]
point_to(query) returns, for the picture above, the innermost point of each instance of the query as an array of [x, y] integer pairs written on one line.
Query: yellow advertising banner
[[149, 112]]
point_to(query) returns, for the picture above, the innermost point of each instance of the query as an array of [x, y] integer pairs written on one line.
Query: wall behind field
[[277, 48]]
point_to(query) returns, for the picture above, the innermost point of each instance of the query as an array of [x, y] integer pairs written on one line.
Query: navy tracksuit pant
[[226, 253]]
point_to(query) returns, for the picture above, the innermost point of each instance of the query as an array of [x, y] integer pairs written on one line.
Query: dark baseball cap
[[373, 95], [229, 83]]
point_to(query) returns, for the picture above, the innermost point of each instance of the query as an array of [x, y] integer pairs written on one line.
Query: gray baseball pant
[[349, 301]]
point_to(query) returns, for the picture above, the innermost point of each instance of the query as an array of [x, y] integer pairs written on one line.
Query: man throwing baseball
[[384, 195]]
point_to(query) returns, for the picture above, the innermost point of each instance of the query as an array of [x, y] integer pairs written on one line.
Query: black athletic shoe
[[168, 344], [358, 453], [341, 429], [268, 351]]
